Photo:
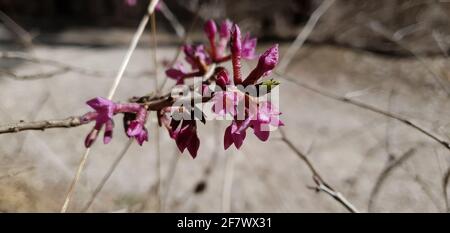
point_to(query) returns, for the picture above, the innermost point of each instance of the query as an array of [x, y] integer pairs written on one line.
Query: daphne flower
[[248, 47], [185, 135], [223, 79], [224, 37], [196, 56], [234, 136], [104, 110], [267, 62], [266, 116], [211, 30], [178, 73], [136, 127]]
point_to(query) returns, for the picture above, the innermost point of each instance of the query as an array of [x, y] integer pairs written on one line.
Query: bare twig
[[445, 182], [24, 37], [41, 125], [385, 173], [108, 174], [177, 26], [374, 109], [382, 30], [321, 185], [304, 34]]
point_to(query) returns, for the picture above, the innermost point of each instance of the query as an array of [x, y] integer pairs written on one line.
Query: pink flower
[[236, 50], [196, 56], [267, 62], [225, 29], [266, 116], [211, 30], [136, 127], [234, 136], [178, 73], [185, 135], [104, 110], [223, 79], [249, 47], [224, 37]]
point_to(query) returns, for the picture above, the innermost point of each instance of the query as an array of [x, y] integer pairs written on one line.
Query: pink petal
[[228, 138]]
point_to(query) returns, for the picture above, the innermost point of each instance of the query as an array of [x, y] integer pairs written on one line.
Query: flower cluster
[[232, 94]]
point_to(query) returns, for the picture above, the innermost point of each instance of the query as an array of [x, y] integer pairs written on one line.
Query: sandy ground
[[348, 145]]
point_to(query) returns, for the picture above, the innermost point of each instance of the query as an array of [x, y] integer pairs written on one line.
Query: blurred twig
[[24, 37], [382, 30], [304, 34], [385, 173], [445, 182], [321, 185], [108, 174], [177, 26]]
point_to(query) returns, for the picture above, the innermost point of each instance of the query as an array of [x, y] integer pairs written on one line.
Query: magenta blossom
[[136, 128], [224, 37], [261, 121], [104, 111], [178, 73], [185, 135], [267, 62], [196, 56], [248, 47]]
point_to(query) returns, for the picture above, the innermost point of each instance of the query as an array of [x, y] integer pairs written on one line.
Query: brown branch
[[68, 122], [365, 106], [321, 184]]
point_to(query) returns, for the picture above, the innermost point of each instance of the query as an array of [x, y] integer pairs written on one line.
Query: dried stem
[[105, 178], [385, 173], [304, 34], [24, 37], [321, 185], [69, 122]]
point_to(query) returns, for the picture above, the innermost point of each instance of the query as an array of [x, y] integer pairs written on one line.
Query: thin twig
[[108, 174], [382, 30], [24, 37], [304, 34], [157, 135], [321, 185], [177, 26], [385, 173], [445, 182], [41, 125], [374, 109]]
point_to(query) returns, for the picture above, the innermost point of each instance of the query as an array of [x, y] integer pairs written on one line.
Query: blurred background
[[392, 54]]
